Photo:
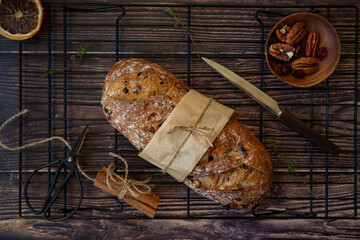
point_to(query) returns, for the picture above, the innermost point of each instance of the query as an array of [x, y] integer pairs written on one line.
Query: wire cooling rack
[[65, 101]]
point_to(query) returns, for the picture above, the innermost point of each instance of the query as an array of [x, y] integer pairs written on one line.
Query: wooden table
[[147, 32]]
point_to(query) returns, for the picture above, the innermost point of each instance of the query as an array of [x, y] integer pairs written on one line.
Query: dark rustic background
[[230, 36]]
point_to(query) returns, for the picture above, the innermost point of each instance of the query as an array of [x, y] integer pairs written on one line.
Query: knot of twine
[[128, 185], [134, 187], [201, 131]]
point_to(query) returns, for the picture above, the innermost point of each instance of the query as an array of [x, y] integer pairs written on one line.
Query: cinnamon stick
[[145, 203]]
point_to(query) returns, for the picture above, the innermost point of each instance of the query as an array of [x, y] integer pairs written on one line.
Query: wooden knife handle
[[296, 124]]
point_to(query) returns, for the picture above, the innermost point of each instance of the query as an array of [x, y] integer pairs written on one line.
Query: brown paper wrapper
[[178, 152]]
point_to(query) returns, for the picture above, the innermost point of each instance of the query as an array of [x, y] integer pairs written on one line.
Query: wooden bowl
[[328, 38]]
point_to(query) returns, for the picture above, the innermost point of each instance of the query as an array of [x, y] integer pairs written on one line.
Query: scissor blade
[[78, 144], [246, 86]]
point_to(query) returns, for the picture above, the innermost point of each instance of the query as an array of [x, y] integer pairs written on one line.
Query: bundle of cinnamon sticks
[[145, 203]]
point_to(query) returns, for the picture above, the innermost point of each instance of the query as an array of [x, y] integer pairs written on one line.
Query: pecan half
[[312, 44], [308, 65], [296, 34], [282, 51], [281, 33]]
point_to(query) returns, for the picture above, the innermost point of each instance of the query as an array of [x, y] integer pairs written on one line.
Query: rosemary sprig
[[74, 58], [291, 167], [185, 27]]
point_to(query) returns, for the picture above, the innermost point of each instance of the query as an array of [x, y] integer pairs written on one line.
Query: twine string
[[83, 172], [201, 131], [29, 144], [128, 185], [134, 187]]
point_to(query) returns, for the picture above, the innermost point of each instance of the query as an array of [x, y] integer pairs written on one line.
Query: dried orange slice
[[20, 19]]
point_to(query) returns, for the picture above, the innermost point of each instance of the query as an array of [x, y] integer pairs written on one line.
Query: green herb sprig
[[74, 58], [291, 168], [185, 27]]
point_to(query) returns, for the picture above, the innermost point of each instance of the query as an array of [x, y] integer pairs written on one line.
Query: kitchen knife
[[269, 103]]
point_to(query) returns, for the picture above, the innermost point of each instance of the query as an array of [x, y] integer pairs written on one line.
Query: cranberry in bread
[[137, 98]]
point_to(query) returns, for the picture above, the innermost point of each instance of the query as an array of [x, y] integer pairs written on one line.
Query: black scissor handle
[[77, 206], [49, 200], [27, 185]]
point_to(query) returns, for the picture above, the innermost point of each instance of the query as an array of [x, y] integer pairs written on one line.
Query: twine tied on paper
[[201, 131], [128, 185]]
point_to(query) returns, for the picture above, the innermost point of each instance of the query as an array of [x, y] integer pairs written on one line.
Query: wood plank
[[234, 33], [202, 229]]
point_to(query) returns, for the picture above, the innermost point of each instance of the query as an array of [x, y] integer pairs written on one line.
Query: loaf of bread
[[137, 98]]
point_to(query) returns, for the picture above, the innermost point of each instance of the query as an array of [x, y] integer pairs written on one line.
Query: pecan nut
[[312, 44], [281, 33], [281, 51], [296, 34], [308, 65]]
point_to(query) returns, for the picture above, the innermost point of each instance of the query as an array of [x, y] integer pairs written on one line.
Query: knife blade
[[283, 115]]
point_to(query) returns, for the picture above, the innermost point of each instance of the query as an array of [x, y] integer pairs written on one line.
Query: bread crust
[[137, 98]]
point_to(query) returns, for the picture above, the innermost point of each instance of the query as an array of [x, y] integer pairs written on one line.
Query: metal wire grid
[[70, 8]]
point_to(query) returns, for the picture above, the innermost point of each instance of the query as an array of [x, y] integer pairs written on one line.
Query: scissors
[[70, 164]]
